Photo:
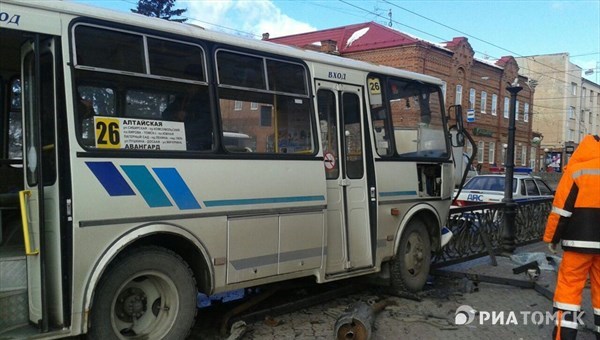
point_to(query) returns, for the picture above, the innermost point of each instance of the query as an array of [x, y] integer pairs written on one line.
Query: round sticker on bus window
[[329, 160]]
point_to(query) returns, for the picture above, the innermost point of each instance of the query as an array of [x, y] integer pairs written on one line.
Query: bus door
[[349, 245], [39, 200]]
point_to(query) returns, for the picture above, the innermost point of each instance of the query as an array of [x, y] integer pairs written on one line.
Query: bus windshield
[[410, 123]]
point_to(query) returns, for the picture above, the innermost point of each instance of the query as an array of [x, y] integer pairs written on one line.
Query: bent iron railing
[[478, 229]]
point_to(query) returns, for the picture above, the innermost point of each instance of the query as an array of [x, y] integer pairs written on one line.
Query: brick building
[[479, 85]]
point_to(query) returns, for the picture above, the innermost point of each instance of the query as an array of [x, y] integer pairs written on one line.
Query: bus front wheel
[[410, 267], [149, 293]]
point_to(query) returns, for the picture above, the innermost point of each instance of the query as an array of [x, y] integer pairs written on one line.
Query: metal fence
[[478, 229]]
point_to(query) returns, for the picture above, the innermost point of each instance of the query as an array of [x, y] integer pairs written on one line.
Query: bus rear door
[[349, 245]]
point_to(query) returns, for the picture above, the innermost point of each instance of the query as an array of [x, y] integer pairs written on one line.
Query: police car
[[483, 189]]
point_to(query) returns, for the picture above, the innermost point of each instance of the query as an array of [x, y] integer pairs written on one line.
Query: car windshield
[[493, 183]]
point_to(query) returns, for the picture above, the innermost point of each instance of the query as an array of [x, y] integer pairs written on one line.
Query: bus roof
[[75, 9]]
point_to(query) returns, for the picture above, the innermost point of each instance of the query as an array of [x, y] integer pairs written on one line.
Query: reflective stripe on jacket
[[575, 215]]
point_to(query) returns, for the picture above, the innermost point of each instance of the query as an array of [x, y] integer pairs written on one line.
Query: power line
[[471, 36]]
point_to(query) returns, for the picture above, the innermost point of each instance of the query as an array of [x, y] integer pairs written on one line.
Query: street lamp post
[[510, 207]]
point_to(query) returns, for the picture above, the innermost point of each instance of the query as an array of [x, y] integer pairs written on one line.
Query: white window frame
[[483, 101], [532, 158], [458, 95], [524, 155], [526, 112], [574, 89], [506, 106], [480, 150], [492, 153], [472, 97], [494, 104], [253, 106], [517, 110], [571, 112], [237, 105]]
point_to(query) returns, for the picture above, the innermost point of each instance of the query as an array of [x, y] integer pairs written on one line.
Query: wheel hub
[[414, 254], [131, 304]]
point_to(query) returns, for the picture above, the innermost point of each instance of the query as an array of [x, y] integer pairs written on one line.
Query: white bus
[[144, 161]]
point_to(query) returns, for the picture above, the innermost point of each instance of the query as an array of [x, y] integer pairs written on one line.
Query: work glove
[[552, 247]]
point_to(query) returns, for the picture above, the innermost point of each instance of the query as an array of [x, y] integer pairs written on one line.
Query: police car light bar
[[516, 170], [523, 170]]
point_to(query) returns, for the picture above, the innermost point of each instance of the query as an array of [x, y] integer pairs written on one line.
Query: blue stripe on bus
[[292, 199], [397, 193], [175, 185], [147, 186], [110, 178]]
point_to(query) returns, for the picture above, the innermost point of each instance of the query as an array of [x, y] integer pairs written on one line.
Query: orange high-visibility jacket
[[575, 216]]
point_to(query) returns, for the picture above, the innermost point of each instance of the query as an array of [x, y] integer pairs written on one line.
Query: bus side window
[[193, 109], [15, 125], [93, 101]]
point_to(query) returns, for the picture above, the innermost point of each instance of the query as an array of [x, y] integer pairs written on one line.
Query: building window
[[237, 106], [506, 104], [492, 153], [591, 96], [524, 155], [458, 97], [532, 158], [590, 117], [526, 112], [480, 149], [483, 101], [253, 106], [517, 110], [571, 135], [503, 154], [571, 112], [472, 99], [494, 104], [574, 89]]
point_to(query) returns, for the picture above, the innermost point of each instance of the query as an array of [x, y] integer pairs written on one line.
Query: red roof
[[352, 38], [504, 60]]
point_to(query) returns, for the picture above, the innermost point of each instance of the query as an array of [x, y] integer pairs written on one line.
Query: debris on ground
[[238, 329], [357, 321]]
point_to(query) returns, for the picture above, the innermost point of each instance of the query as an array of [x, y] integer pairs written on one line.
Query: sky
[[495, 28]]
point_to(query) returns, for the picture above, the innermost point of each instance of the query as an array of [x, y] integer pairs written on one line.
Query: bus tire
[[410, 267], [150, 285]]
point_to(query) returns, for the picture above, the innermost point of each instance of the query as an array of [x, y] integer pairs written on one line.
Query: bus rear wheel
[[148, 293], [410, 267]]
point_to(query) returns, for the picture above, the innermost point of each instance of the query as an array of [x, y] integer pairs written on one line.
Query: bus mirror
[[456, 125], [457, 137]]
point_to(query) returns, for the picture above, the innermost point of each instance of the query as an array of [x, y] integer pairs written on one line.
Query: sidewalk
[[434, 316]]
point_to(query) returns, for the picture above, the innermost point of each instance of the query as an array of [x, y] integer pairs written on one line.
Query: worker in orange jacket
[[575, 222]]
